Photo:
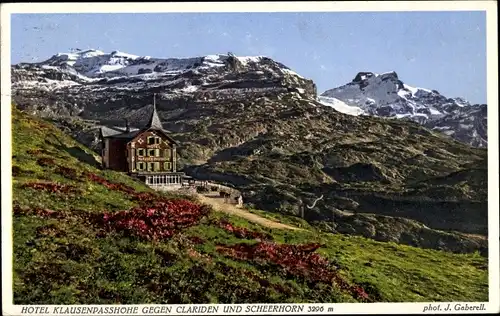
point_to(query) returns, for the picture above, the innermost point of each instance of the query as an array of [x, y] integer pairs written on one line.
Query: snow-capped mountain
[[87, 72], [97, 64], [97, 85], [385, 95]]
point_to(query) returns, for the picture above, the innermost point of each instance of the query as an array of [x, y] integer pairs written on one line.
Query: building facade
[[148, 153]]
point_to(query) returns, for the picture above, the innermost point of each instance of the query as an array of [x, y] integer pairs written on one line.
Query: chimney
[[127, 127]]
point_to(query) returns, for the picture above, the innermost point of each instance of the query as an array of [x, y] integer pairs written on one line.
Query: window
[[151, 166], [151, 152], [167, 166], [168, 153], [140, 166], [152, 140], [140, 152]]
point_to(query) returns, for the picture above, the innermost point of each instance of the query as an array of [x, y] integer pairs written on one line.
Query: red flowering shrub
[[156, 218], [66, 172], [146, 198], [45, 161], [298, 260], [38, 151], [159, 221], [241, 232], [51, 187], [34, 151]]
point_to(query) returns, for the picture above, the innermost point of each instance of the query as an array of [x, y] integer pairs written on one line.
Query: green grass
[[68, 261]]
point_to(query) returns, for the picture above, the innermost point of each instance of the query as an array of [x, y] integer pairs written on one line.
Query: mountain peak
[[392, 74], [386, 95], [363, 75]]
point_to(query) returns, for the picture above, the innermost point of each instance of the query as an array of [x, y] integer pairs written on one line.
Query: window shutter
[[157, 152]]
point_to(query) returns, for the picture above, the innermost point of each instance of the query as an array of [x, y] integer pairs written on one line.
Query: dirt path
[[219, 205]]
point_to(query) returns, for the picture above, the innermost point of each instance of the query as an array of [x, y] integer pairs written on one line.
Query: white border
[[296, 6]]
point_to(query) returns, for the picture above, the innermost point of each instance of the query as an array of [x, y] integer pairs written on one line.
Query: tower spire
[[154, 120]]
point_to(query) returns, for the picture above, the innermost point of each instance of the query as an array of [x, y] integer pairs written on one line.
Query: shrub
[[298, 260], [159, 221]]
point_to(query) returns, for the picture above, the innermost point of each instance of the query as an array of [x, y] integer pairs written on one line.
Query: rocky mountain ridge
[[385, 95]]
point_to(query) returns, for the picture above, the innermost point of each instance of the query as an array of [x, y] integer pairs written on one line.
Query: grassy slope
[[63, 261]]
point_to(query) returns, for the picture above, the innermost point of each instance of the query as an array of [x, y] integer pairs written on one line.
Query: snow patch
[[247, 59], [403, 115], [414, 90], [122, 54], [434, 111], [404, 93], [340, 106], [440, 128], [190, 89]]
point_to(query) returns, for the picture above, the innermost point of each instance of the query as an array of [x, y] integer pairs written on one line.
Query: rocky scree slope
[[255, 124], [385, 95]]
